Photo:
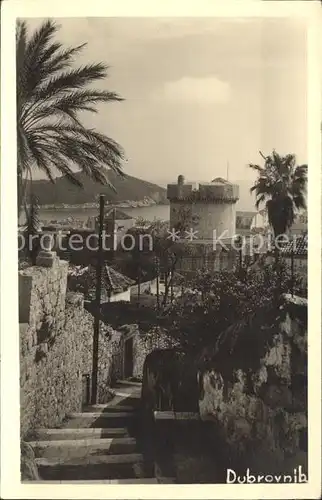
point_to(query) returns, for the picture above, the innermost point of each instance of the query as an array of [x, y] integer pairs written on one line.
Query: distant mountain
[[127, 188]]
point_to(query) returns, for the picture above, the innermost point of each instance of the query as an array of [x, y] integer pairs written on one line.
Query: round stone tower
[[208, 209]]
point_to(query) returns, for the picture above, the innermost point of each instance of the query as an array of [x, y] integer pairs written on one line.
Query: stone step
[[68, 449], [143, 480], [128, 389], [107, 415], [80, 433], [129, 383], [100, 419], [124, 466], [171, 415], [106, 408], [121, 393]]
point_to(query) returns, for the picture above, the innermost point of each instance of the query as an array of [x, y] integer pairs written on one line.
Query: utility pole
[[292, 268], [111, 228], [227, 170], [113, 233], [171, 284], [139, 281], [97, 301], [158, 282]]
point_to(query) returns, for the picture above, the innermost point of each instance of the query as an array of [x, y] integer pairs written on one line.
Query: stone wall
[[42, 293], [262, 416], [56, 348], [143, 344]]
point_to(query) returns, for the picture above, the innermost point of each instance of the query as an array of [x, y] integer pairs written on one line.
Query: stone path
[[101, 444]]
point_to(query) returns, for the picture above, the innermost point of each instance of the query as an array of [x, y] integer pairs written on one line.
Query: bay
[[150, 213]]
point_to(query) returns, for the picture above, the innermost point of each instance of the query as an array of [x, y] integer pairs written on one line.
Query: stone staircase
[[100, 444]]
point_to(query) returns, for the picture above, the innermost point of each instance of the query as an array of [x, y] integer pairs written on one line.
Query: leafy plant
[[214, 302]]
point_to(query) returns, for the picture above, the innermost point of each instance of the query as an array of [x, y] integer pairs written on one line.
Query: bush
[[216, 301]]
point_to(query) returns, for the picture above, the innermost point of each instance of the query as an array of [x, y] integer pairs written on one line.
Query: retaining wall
[[56, 338], [262, 416]]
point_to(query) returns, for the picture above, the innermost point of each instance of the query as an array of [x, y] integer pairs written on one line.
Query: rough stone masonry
[[56, 335], [264, 424]]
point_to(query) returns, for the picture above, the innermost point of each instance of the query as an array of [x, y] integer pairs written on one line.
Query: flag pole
[[97, 301]]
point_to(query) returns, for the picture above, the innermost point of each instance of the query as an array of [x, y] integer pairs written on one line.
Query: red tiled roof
[[112, 281]]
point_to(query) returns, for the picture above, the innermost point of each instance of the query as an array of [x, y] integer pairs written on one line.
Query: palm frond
[[263, 156], [63, 152], [35, 48], [50, 94], [258, 168], [62, 60], [300, 201], [283, 185], [260, 199], [71, 80], [38, 42], [301, 171], [39, 156], [85, 141], [67, 104]]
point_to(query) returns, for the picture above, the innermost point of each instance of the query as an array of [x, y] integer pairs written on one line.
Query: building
[[122, 222], [204, 215], [115, 286], [211, 207], [245, 222]]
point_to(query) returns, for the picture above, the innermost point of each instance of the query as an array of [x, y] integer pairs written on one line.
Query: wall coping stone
[[38, 270], [75, 299], [29, 280]]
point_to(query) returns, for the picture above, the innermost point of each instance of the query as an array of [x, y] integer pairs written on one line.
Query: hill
[[127, 188]]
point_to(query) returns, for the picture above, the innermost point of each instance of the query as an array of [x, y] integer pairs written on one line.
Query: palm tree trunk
[[292, 271], [166, 287], [22, 183], [158, 284], [276, 255], [20, 195], [139, 283]]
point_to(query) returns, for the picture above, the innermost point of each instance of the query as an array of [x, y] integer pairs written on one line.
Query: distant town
[[146, 202]]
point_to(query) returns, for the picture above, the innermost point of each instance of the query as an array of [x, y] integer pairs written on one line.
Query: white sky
[[199, 91]]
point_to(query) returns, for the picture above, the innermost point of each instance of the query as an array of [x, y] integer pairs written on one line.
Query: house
[[115, 286], [244, 222], [122, 222]]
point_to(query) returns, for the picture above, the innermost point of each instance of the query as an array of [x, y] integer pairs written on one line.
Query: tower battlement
[[205, 207], [217, 191]]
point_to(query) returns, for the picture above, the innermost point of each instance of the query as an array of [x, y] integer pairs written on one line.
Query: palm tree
[[281, 185], [50, 94], [32, 246]]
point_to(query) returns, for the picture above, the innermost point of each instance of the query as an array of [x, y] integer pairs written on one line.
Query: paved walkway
[[100, 444]]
